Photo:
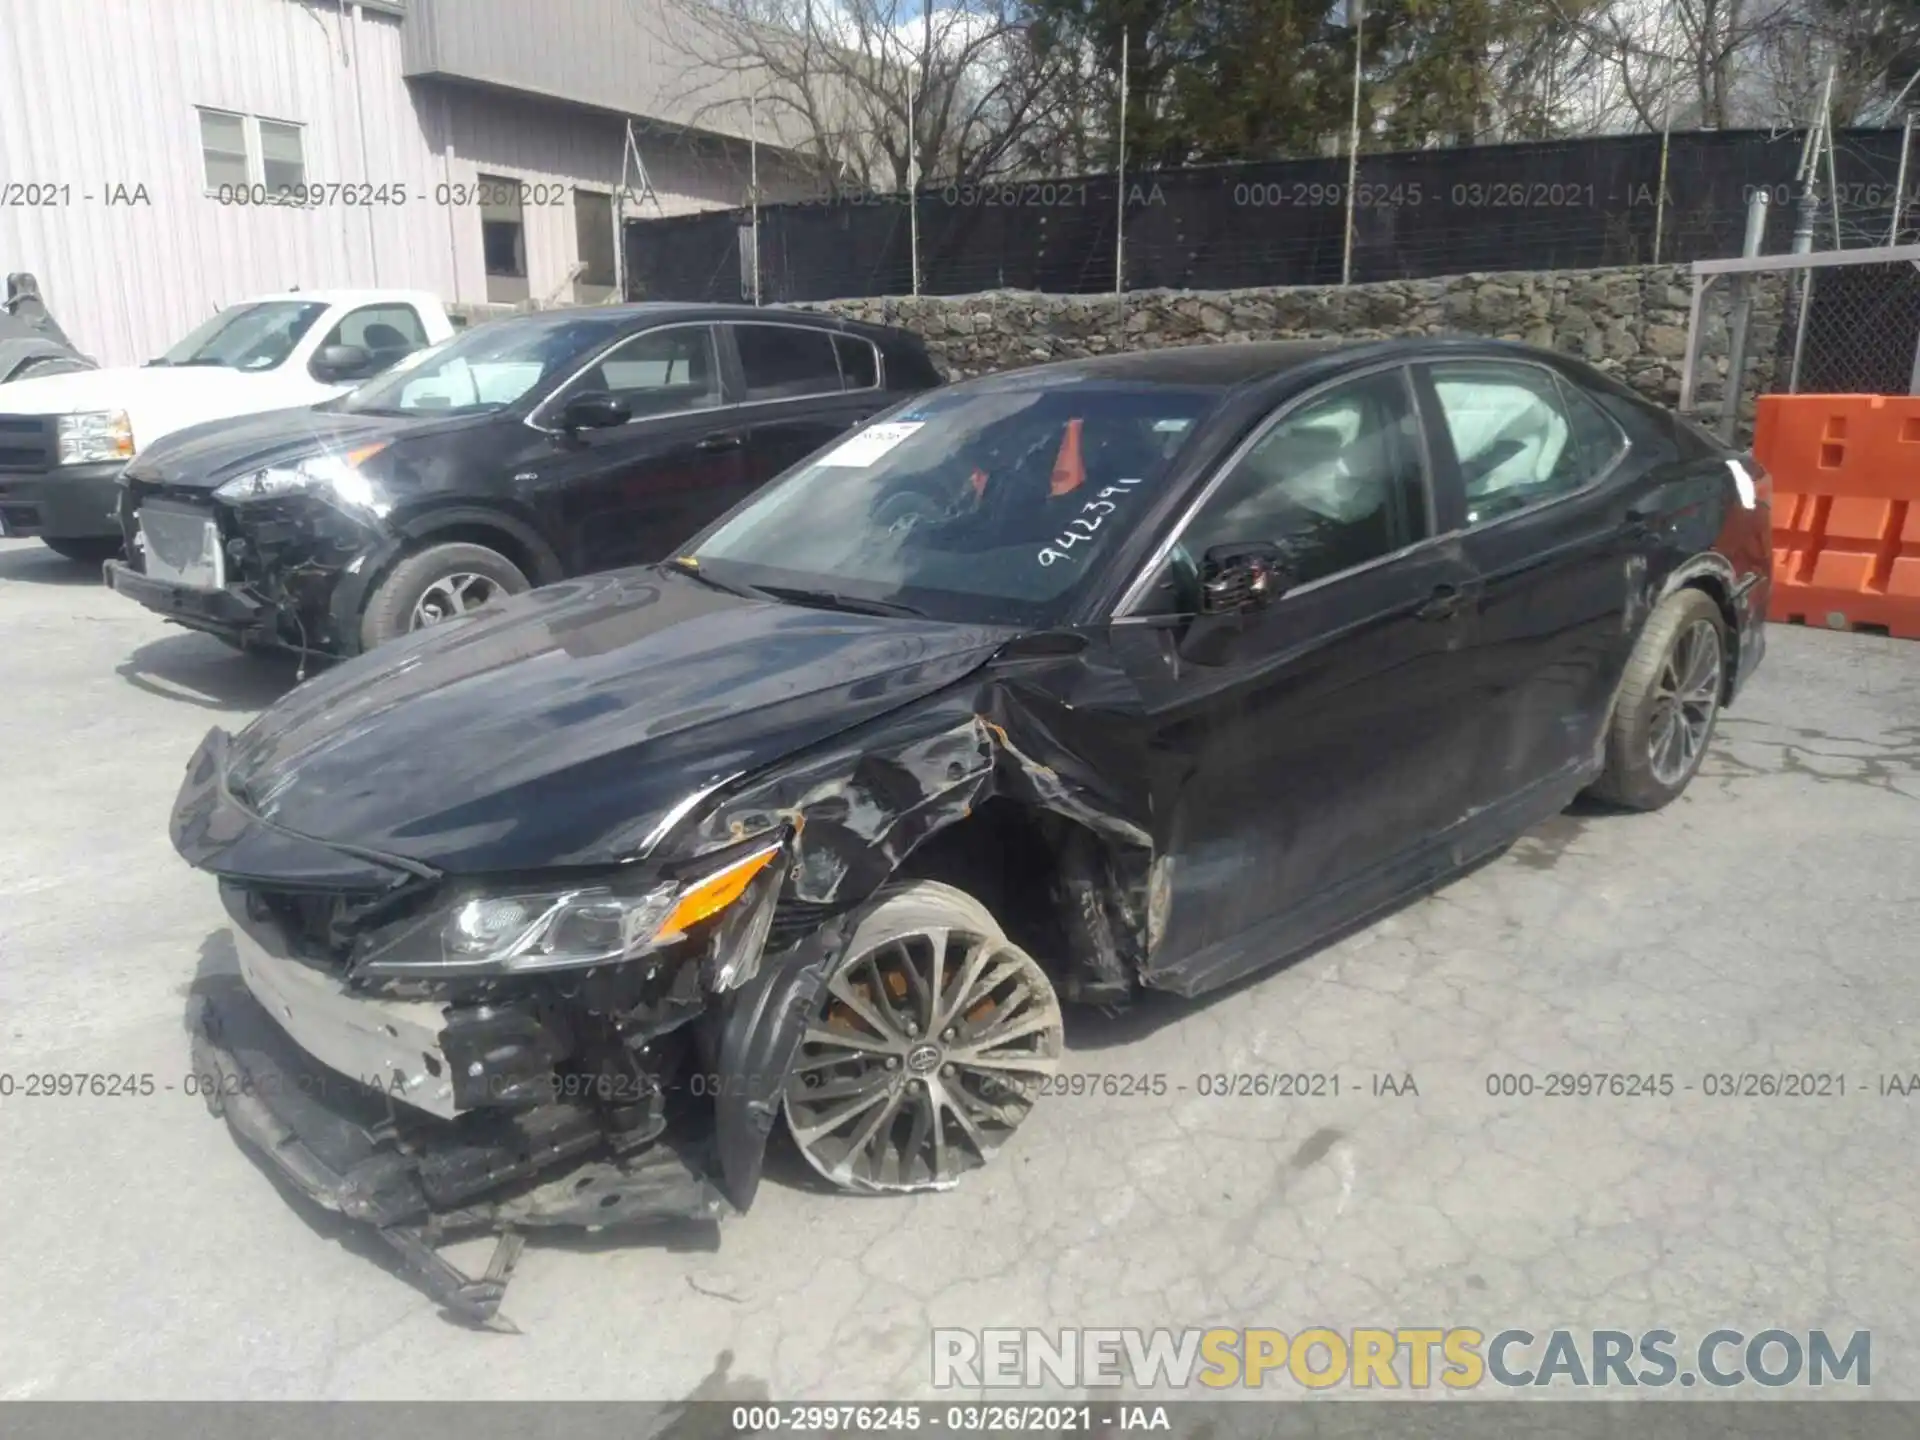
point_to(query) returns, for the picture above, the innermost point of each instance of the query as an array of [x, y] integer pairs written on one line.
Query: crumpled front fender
[[760, 1034]]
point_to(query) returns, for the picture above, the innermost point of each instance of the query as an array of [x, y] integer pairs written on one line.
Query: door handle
[[725, 440], [1638, 521], [1443, 604]]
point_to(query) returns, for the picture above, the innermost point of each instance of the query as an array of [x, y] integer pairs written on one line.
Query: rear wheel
[[924, 1053], [1669, 700], [435, 584], [87, 549]]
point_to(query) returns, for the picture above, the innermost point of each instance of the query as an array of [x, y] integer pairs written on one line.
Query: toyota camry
[[1145, 672]]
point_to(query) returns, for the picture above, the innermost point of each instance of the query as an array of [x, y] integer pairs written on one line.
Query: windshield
[[985, 505], [487, 368], [247, 337]]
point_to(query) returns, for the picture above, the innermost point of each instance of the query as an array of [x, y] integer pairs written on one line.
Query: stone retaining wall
[[1631, 322]]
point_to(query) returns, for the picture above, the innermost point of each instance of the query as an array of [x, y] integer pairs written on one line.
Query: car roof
[[1216, 366], [1246, 365], [349, 297]]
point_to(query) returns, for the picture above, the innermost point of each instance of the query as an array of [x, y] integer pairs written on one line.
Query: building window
[[238, 151], [593, 237], [503, 227], [283, 162], [223, 149]]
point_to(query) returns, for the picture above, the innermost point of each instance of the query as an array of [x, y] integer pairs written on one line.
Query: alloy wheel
[[1685, 699], [452, 595], [923, 1058]]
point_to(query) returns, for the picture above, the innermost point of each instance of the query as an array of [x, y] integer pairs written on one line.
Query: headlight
[[335, 478], [527, 931], [95, 437]]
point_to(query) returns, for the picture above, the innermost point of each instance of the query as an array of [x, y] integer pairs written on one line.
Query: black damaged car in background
[[523, 451], [1141, 672]]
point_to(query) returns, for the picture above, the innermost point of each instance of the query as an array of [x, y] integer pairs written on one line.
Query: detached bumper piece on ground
[[421, 1182]]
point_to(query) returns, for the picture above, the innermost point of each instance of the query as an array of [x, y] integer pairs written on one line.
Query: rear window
[[786, 362]]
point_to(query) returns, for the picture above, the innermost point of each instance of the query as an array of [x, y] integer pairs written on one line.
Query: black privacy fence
[[1550, 205]]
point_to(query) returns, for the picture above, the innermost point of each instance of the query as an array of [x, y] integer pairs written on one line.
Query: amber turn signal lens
[[715, 893]]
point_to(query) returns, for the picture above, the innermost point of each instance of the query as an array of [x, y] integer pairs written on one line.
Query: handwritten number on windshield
[[1092, 514]]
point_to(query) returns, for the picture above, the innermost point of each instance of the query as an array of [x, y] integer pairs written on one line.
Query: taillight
[[1762, 485]]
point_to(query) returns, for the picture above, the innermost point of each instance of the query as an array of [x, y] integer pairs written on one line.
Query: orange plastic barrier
[[1846, 509]]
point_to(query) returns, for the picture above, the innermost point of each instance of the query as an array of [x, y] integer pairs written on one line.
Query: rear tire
[[83, 549], [1669, 699], [433, 584]]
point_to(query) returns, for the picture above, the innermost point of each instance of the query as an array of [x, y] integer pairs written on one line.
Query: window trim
[[418, 319], [253, 149], [824, 332], [299, 129], [538, 412], [879, 362], [1554, 378], [1123, 608], [248, 146], [535, 415]]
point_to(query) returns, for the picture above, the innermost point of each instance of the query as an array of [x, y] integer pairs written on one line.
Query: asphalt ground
[[1762, 926]]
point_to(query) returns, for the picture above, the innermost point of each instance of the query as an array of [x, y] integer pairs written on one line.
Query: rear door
[[1530, 470], [629, 493], [1298, 753], [799, 386]]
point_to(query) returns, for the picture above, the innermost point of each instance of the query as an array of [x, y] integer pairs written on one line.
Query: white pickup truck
[[65, 438]]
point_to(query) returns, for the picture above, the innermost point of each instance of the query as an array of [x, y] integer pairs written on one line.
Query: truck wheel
[[927, 1047], [1669, 699], [87, 549], [435, 584]]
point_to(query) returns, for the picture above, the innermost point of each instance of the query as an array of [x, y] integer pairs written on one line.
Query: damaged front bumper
[[627, 1093], [421, 1181]]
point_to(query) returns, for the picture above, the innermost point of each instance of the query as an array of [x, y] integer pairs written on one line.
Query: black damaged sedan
[[1148, 671]]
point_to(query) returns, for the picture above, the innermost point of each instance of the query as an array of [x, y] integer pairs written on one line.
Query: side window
[[1596, 435], [1512, 435], [859, 362], [386, 332], [781, 362], [659, 372], [1334, 484]]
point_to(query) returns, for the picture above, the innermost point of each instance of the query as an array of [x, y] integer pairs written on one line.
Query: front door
[[628, 494], [1298, 751]]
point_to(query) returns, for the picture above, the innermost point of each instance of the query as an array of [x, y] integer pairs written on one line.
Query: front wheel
[[435, 584], [927, 1048], [1669, 700]]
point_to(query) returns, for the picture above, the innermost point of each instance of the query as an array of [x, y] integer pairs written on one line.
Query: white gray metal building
[[468, 147]]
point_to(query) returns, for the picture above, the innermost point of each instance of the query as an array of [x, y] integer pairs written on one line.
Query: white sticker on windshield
[[871, 443], [1743, 482]]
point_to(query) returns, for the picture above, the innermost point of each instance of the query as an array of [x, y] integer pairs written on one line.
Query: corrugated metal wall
[[97, 94], [661, 58], [99, 97]]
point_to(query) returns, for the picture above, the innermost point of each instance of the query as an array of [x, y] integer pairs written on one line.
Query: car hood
[[159, 400], [205, 456], [565, 727]]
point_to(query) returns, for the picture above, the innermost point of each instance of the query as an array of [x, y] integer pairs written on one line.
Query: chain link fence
[[1841, 322]]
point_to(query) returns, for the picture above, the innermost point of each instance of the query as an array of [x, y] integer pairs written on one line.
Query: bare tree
[[844, 84], [1724, 63]]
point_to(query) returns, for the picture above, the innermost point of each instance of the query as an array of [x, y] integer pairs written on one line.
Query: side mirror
[[595, 410], [335, 363], [1241, 577]]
